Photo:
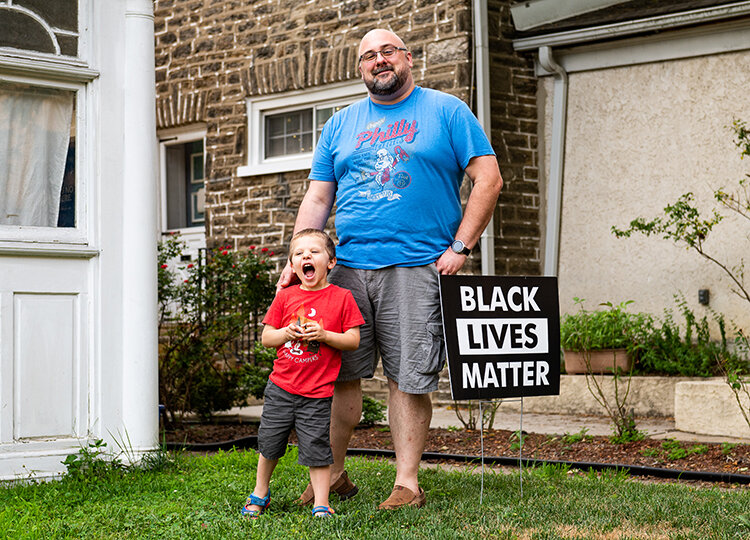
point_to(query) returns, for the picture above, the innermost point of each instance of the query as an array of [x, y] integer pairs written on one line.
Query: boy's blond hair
[[330, 246]]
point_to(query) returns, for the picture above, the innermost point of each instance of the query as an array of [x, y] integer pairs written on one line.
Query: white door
[[46, 269]]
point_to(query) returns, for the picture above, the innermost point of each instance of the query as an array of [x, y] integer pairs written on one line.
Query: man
[[397, 232]]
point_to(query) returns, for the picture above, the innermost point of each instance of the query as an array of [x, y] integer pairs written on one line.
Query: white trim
[[43, 249], [47, 66], [628, 28], [674, 45], [258, 107], [532, 13]]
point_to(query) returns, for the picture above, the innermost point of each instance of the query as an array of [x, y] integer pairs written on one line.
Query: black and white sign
[[502, 335]]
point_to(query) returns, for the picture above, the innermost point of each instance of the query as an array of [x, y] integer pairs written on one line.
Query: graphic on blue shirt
[[384, 169]]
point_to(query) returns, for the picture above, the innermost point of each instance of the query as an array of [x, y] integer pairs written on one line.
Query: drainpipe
[[482, 70], [557, 154]]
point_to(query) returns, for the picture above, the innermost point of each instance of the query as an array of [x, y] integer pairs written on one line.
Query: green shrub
[[92, 463], [208, 317], [694, 353], [610, 328], [373, 411]]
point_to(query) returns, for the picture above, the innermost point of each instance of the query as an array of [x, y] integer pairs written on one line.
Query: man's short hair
[[330, 246]]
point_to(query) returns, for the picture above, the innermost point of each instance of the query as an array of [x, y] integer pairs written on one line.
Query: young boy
[[309, 324]]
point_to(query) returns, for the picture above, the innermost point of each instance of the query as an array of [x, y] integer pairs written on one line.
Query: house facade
[[78, 344], [253, 81], [636, 106]]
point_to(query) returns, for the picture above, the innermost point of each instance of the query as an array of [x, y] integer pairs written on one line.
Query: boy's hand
[[294, 332], [312, 331]]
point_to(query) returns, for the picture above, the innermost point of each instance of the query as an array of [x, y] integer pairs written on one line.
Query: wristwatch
[[459, 247]]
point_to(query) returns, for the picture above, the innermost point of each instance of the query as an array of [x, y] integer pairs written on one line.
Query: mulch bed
[[687, 456]]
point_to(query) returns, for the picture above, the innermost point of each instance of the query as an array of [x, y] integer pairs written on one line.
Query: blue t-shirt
[[398, 170]]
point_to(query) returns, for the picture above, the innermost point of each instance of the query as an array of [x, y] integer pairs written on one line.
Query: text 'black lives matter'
[[502, 336]]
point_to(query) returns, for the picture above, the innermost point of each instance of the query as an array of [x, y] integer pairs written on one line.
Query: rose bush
[[209, 312]]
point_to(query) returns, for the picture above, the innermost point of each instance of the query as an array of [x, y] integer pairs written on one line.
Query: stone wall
[[212, 55]]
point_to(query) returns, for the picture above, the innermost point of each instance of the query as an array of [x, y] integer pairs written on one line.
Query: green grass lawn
[[200, 497]]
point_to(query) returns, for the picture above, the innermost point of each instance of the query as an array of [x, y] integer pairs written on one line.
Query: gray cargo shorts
[[403, 324], [310, 418]]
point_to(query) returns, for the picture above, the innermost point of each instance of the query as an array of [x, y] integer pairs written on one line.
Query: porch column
[[139, 332]]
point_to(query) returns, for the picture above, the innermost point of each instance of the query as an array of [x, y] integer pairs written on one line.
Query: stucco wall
[[637, 138]]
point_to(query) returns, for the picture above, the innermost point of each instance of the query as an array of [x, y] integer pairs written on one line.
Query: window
[[37, 156], [49, 27], [183, 190], [42, 184], [285, 128], [186, 193], [292, 132]]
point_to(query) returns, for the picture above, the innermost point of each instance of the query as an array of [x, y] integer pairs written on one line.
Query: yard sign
[[502, 336]]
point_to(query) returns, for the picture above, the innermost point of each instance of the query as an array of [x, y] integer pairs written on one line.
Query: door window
[[37, 156]]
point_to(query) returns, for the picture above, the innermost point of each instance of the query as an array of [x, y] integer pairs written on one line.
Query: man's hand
[[450, 262], [287, 277]]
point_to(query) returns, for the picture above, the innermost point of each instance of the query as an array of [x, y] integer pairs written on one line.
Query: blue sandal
[[322, 511], [254, 500]]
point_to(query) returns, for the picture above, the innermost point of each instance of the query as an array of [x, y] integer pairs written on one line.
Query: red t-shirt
[[310, 368]]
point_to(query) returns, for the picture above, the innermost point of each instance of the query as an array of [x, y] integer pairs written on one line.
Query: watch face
[[459, 247]]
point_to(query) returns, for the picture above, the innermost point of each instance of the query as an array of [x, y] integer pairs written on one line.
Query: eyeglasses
[[385, 52]]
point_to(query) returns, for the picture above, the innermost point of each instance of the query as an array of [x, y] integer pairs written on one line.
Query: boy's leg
[[276, 423], [320, 479], [262, 479]]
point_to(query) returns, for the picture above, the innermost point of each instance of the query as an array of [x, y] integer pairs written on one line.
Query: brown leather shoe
[[343, 487], [402, 496]]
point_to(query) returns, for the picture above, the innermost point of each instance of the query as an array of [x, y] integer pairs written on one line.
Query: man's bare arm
[[487, 183], [313, 213]]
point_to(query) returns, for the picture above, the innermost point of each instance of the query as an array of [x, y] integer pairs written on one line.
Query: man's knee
[[347, 401]]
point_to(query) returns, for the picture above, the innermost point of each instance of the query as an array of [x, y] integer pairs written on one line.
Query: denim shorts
[[310, 418], [403, 325]]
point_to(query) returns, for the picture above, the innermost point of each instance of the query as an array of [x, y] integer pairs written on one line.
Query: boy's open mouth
[[308, 269]]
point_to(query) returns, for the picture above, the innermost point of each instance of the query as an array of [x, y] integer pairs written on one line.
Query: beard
[[388, 86]]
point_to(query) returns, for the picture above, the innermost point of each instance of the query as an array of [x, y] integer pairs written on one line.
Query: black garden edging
[[634, 470]]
